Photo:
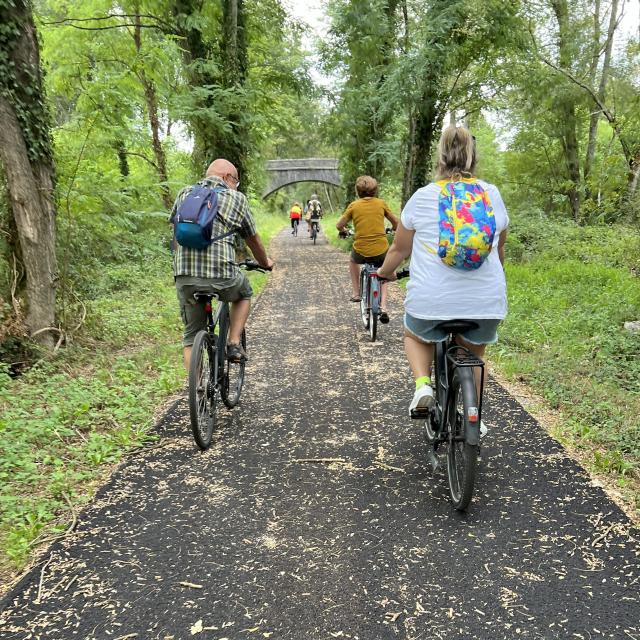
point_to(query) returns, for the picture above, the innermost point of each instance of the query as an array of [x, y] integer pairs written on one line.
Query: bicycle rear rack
[[462, 357]]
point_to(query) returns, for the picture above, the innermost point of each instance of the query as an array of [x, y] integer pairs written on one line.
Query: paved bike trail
[[264, 536]]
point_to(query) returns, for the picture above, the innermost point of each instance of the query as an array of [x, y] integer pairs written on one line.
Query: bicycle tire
[[315, 233], [364, 300], [202, 389], [374, 307], [373, 325], [462, 458], [232, 376]]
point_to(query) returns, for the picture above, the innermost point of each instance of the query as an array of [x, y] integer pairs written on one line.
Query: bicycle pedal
[[420, 413]]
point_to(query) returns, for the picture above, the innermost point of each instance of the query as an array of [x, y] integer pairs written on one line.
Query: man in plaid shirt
[[214, 268]]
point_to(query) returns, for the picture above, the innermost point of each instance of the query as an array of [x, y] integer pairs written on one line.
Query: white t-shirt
[[437, 291]]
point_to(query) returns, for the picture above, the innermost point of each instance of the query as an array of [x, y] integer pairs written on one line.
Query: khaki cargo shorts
[[192, 312]]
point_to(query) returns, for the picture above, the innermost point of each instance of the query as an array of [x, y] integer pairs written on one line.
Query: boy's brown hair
[[366, 187]]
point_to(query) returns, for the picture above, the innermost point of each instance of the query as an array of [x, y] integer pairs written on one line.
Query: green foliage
[[570, 291]]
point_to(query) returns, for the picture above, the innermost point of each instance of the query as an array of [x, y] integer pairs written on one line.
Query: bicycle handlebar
[[252, 265], [403, 273]]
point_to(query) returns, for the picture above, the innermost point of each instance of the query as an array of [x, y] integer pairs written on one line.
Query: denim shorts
[[425, 330]]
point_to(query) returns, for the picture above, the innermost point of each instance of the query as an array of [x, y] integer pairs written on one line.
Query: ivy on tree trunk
[[25, 151]]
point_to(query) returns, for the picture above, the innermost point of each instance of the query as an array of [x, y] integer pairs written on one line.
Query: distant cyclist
[[314, 211], [295, 214], [368, 214]]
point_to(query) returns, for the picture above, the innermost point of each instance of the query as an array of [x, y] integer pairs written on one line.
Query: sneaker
[[235, 353], [483, 429], [422, 401]]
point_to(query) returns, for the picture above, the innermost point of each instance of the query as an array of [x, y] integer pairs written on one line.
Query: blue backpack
[[193, 221]]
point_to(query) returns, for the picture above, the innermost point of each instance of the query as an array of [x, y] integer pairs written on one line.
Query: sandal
[[384, 317], [355, 299]]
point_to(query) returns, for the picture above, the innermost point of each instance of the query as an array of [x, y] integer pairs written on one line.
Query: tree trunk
[[151, 100], [196, 54], [428, 122], [25, 151], [409, 157], [567, 111], [604, 77], [233, 52]]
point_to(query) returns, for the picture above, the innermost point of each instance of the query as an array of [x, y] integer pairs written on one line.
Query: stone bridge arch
[[286, 172]]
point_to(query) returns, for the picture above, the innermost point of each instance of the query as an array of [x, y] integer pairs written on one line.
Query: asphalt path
[[314, 515]]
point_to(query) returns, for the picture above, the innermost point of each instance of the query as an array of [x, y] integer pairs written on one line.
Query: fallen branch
[[44, 568], [319, 460], [388, 467]]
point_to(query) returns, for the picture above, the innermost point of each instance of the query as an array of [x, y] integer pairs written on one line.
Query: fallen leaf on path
[[196, 628]]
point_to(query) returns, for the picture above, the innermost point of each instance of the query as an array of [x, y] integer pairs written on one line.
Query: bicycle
[[454, 420], [315, 229], [210, 372], [370, 293]]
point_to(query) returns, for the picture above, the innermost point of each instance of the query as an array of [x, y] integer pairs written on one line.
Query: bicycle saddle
[[457, 326], [206, 296]]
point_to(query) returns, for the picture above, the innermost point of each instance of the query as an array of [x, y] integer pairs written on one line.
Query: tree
[[25, 150]]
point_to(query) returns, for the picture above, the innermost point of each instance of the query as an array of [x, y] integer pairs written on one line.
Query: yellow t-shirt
[[368, 215]]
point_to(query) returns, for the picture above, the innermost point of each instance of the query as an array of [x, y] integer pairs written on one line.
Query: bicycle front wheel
[[202, 389], [233, 377], [462, 458]]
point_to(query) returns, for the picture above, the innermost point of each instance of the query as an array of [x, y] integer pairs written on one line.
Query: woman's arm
[[501, 241], [400, 250]]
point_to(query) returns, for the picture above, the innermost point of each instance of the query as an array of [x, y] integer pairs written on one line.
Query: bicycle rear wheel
[[364, 300], [314, 231], [462, 458], [232, 376], [202, 389], [374, 307]]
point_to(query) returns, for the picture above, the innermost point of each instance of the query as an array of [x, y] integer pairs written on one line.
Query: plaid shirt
[[218, 260]]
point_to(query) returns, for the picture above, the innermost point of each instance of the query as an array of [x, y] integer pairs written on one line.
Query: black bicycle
[[210, 371], [315, 229]]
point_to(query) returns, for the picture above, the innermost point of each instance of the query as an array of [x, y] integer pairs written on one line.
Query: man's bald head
[[221, 168]]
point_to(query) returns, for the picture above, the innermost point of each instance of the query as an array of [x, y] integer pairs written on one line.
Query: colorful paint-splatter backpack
[[467, 224]]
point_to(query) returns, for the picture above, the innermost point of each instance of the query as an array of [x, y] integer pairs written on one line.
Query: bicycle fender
[[469, 398]]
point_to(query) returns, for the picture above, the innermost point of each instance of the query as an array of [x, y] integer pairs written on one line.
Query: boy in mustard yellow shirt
[[368, 214]]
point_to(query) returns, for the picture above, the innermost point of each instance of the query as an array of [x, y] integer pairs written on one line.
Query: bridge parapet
[[290, 171]]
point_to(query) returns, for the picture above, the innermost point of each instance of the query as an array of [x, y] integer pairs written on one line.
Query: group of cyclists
[[453, 229], [312, 213]]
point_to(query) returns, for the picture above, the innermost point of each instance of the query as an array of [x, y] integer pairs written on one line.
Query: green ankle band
[[422, 380]]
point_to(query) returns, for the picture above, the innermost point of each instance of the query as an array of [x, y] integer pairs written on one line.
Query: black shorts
[[376, 261], [293, 222]]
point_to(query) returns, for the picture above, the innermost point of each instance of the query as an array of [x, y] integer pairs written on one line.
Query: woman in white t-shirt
[[437, 291]]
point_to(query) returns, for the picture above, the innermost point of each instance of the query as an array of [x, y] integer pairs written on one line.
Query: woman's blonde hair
[[366, 187], [456, 154]]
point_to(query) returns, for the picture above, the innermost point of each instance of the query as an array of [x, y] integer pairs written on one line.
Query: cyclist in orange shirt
[[295, 215]]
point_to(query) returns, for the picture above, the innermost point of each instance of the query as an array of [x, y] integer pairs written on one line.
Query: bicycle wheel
[[364, 299], [232, 377], [315, 233], [462, 458], [202, 389], [374, 307]]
